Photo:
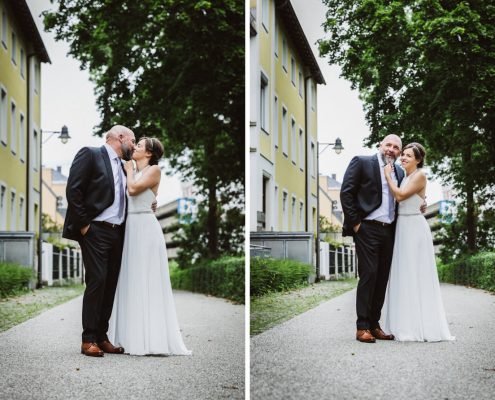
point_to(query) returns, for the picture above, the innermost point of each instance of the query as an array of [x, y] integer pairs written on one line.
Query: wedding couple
[[382, 206], [133, 312]]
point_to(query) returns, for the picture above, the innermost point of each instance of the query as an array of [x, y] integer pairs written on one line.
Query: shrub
[[269, 274], [223, 277], [477, 270], [13, 278]]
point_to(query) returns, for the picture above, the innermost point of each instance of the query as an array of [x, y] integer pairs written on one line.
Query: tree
[[425, 70], [173, 69]]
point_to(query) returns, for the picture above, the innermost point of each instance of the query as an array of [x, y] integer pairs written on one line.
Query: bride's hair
[[419, 152], [155, 147]]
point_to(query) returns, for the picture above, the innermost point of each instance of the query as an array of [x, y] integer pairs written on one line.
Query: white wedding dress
[[413, 302], [143, 318]]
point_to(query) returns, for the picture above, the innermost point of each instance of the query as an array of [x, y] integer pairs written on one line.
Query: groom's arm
[[77, 183], [348, 193]]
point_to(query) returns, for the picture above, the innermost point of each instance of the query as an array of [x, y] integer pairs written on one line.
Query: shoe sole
[[91, 355], [366, 341]]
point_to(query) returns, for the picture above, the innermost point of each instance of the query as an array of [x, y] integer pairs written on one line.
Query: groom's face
[[127, 144], [390, 149]]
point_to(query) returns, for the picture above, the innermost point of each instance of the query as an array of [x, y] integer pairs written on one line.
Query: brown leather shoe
[[365, 336], [379, 334], [91, 349], [108, 347]]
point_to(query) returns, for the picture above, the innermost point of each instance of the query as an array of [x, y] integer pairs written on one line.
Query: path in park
[[315, 356], [40, 358]]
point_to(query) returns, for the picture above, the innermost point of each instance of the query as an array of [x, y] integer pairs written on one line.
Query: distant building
[[54, 199], [437, 213], [330, 206]]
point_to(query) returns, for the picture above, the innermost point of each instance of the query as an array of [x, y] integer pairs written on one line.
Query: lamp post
[[337, 147], [64, 138]]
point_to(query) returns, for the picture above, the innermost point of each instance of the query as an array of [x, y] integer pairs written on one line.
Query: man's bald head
[[390, 148], [122, 140]]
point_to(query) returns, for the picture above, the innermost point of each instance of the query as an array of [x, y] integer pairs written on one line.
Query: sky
[[340, 112], [67, 98]]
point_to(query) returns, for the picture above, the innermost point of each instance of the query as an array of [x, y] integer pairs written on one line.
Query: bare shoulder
[[154, 170], [419, 176]]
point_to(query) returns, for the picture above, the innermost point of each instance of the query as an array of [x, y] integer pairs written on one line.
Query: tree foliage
[[425, 70], [173, 69]]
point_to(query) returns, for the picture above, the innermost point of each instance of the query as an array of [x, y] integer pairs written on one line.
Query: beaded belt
[[140, 212]]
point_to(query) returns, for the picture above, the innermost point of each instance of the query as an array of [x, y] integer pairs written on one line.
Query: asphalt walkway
[[40, 358], [315, 356]]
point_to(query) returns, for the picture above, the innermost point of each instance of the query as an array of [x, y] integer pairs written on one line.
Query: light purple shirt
[[382, 213], [111, 214]]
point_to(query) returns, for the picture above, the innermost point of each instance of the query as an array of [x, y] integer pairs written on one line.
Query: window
[[301, 149], [293, 144], [275, 208], [3, 208], [293, 211], [13, 130], [13, 213], [284, 53], [264, 103], [14, 48], [4, 28], [285, 213], [301, 215], [284, 132], [23, 64], [301, 82], [313, 96], [37, 78], [3, 116], [264, 201], [293, 71], [22, 213], [22, 137], [36, 146], [265, 13], [275, 121], [275, 37]]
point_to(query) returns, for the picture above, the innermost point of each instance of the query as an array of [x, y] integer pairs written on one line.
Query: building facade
[[283, 113], [54, 201], [330, 206], [21, 53]]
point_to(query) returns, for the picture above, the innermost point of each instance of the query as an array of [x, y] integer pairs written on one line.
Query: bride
[[414, 307], [143, 318]]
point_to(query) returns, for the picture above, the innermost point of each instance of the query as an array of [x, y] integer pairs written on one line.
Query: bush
[[269, 274], [477, 270], [223, 277], [13, 278]]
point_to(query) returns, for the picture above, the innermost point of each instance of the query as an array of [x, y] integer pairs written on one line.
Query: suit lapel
[[376, 171], [106, 159]]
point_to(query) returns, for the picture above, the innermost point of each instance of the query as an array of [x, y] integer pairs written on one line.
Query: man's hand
[[423, 206], [356, 228], [153, 206], [84, 230]]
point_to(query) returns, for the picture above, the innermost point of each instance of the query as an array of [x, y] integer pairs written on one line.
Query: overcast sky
[[67, 98], [340, 112]]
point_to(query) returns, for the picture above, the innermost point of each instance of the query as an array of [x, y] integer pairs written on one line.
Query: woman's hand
[[388, 170], [129, 167]]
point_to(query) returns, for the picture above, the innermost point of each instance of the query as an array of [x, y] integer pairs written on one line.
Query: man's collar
[[111, 152]]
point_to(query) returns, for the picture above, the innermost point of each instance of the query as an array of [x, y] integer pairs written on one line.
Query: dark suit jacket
[[361, 191], [90, 189]]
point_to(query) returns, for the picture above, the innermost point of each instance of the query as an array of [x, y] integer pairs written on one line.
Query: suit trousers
[[374, 249], [101, 250]]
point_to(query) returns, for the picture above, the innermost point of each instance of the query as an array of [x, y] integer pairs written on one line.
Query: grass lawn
[[274, 308], [19, 308]]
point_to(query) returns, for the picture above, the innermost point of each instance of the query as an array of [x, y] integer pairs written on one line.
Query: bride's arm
[[416, 184], [150, 178]]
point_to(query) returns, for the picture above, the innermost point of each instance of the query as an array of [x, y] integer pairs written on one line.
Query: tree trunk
[[470, 206], [212, 220]]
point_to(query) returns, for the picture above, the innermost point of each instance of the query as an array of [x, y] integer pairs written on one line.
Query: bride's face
[[140, 151], [408, 160]]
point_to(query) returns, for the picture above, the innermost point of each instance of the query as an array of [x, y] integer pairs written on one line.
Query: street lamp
[[64, 138], [337, 147]]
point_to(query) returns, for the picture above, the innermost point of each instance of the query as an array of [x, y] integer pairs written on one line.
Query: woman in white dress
[[413, 303], [143, 318]]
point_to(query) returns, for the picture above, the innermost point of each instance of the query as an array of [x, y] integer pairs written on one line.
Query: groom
[[96, 219], [369, 216]]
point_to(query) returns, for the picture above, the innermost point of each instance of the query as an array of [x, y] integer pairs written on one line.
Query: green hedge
[[223, 277], [477, 270], [273, 275], [13, 278]]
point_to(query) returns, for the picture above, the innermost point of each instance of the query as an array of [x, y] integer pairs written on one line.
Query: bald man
[[369, 216], [95, 218]]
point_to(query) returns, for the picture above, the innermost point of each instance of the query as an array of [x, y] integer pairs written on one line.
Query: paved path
[[315, 356], [40, 358]]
